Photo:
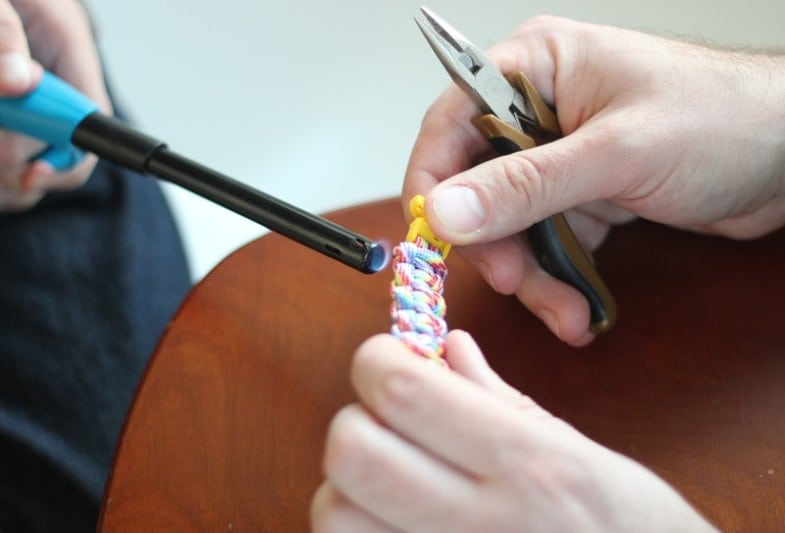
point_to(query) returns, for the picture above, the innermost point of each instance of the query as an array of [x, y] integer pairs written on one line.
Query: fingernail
[[487, 274], [459, 208], [15, 70], [550, 320]]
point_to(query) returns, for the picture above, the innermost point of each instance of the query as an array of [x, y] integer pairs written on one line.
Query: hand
[[665, 130], [433, 450], [37, 35]]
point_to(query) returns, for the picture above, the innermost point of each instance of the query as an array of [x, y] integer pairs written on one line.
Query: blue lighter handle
[[50, 113]]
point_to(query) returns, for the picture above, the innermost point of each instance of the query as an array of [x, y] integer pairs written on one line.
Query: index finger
[[448, 143], [461, 422]]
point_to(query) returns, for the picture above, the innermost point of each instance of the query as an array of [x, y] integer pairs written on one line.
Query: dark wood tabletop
[[227, 428]]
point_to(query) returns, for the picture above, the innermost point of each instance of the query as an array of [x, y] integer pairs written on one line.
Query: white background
[[318, 102]]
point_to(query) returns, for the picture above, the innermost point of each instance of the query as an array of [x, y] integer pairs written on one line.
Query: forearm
[[746, 115]]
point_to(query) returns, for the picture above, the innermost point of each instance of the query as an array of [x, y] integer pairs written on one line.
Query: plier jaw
[[471, 70]]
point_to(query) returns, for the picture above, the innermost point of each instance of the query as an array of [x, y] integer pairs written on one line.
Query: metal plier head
[[493, 93]]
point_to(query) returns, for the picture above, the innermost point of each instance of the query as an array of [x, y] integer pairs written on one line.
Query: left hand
[[57, 36], [434, 450]]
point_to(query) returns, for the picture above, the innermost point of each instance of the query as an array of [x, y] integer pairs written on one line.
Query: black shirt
[[88, 280]]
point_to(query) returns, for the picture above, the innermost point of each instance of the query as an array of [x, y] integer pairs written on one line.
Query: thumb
[[466, 358], [506, 195], [18, 73]]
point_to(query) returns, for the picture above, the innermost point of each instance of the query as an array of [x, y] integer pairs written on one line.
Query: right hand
[[37, 35], [670, 131]]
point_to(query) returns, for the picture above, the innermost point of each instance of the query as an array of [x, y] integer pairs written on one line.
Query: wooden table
[[227, 428]]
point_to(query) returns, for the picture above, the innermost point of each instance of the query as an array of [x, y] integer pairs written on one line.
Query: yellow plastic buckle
[[420, 228]]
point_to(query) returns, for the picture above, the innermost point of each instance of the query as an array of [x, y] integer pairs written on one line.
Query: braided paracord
[[418, 307], [419, 272]]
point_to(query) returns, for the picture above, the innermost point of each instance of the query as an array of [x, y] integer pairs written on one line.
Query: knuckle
[[541, 22], [521, 179], [398, 392], [548, 27], [10, 23]]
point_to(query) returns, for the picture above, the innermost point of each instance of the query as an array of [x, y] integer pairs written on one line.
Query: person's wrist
[[778, 90], [767, 105]]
